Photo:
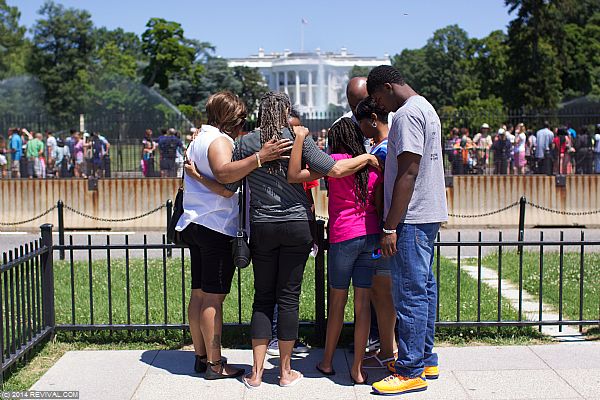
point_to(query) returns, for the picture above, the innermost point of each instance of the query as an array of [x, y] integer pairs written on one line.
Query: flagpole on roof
[[303, 22]]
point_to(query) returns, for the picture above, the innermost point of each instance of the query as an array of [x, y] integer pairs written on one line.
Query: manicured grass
[[551, 282], [24, 374], [176, 300]]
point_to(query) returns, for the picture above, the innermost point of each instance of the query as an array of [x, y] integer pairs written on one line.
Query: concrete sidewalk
[[558, 371]]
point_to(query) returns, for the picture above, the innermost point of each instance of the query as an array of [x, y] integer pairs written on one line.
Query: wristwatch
[[389, 231]]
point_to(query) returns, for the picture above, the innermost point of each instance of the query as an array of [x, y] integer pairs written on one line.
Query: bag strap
[[242, 208]]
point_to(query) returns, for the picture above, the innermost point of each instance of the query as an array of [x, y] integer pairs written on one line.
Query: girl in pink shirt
[[354, 229]]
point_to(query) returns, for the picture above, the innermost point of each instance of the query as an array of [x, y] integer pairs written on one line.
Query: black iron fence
[[125, 133], [26, 298], [138, 287]]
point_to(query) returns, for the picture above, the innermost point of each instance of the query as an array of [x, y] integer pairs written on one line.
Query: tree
[[413, 66], [62, 56], [13, 45], [218, 77], [253, 86], [358, 71], [490, 64], [534, 80], [591, 36], [167, 50]]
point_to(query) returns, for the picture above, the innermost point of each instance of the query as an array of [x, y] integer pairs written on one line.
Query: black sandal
[[212, 375], [200, 364], [321, 370], [365, 379]]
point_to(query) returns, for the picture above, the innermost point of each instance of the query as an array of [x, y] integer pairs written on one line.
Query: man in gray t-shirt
[[415, 205]]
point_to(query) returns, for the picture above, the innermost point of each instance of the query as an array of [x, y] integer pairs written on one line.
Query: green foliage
[[253, 86], [167, 50], [358, 71], [62, 56], [13, 45], [551, 53]]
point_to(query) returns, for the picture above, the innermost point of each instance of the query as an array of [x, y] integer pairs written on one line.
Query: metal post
[[47, 278], [61, 227], [169, 216], [320, 318], [522, 205]]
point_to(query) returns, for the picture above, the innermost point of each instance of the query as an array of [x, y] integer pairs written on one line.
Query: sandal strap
[[220, 362]]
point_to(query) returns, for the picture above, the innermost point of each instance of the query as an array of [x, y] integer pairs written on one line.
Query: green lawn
[[551, 281], [26, 372], [176, 303]]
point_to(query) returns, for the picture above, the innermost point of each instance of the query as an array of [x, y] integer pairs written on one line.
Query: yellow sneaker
[[431, 372], [398, 384]]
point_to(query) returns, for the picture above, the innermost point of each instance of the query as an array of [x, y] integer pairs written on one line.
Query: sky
[[239, 27]]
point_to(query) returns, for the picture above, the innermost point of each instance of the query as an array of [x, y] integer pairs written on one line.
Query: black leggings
[[279, 254]]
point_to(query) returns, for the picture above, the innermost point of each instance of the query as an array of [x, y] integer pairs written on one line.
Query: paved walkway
[[558, 371]]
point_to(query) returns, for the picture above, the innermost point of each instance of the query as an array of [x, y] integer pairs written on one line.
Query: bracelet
[[389, 231], [258, 160]]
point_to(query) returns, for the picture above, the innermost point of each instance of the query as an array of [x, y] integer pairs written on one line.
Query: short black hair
[[294, 113], [367, 107], [381, 75]]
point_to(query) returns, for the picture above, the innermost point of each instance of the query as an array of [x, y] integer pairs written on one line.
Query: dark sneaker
[[212, 375], [300, 347], [273, 348]]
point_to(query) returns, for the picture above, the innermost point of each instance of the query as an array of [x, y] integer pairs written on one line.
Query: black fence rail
[[124, 286], [26, 298]]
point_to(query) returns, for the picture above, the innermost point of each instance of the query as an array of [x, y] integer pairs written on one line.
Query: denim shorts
[[383, 266], [352, 259]]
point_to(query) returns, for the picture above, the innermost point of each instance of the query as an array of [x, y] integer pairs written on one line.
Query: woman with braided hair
[[280, 237], [354, 230]]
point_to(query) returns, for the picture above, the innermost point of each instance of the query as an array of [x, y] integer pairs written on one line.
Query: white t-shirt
[[51, 145]]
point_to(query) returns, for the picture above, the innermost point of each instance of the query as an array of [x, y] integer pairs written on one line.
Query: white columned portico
[[276, 81], [297, 73], [310, 90], [285, 82]]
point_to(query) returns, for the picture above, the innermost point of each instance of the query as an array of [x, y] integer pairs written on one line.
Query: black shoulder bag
[[174, 236], [240, 249]]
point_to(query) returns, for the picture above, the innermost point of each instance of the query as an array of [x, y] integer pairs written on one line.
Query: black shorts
[[167, 164], [212, 263]]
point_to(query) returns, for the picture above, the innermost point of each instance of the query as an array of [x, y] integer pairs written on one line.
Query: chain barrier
[[570, 213], [48, 211], [486, 214], [318, 217], [84, 215]]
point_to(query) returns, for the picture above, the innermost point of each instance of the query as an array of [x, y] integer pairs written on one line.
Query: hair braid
[[345, 137], [273, 114]]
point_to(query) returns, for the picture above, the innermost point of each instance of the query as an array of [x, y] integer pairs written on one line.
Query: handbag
[[173, 235], [239, 248]]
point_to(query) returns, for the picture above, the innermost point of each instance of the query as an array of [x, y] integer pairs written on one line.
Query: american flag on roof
[[304, 21]]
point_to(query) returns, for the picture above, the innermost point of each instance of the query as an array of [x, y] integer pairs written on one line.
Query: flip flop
[[295, 381], [248, 385], [330, 373], [364, 382], [382, 363]]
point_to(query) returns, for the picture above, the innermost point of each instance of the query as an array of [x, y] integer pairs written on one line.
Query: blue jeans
[[415, 297]]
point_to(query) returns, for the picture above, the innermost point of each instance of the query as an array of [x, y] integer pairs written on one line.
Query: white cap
[[485, 126], [501, 131]]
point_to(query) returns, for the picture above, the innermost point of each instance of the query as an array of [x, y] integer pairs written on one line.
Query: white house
[[313, 80]]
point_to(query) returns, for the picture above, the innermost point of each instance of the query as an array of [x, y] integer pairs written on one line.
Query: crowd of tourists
[[28, 154], [517, 150], [385, 175]]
